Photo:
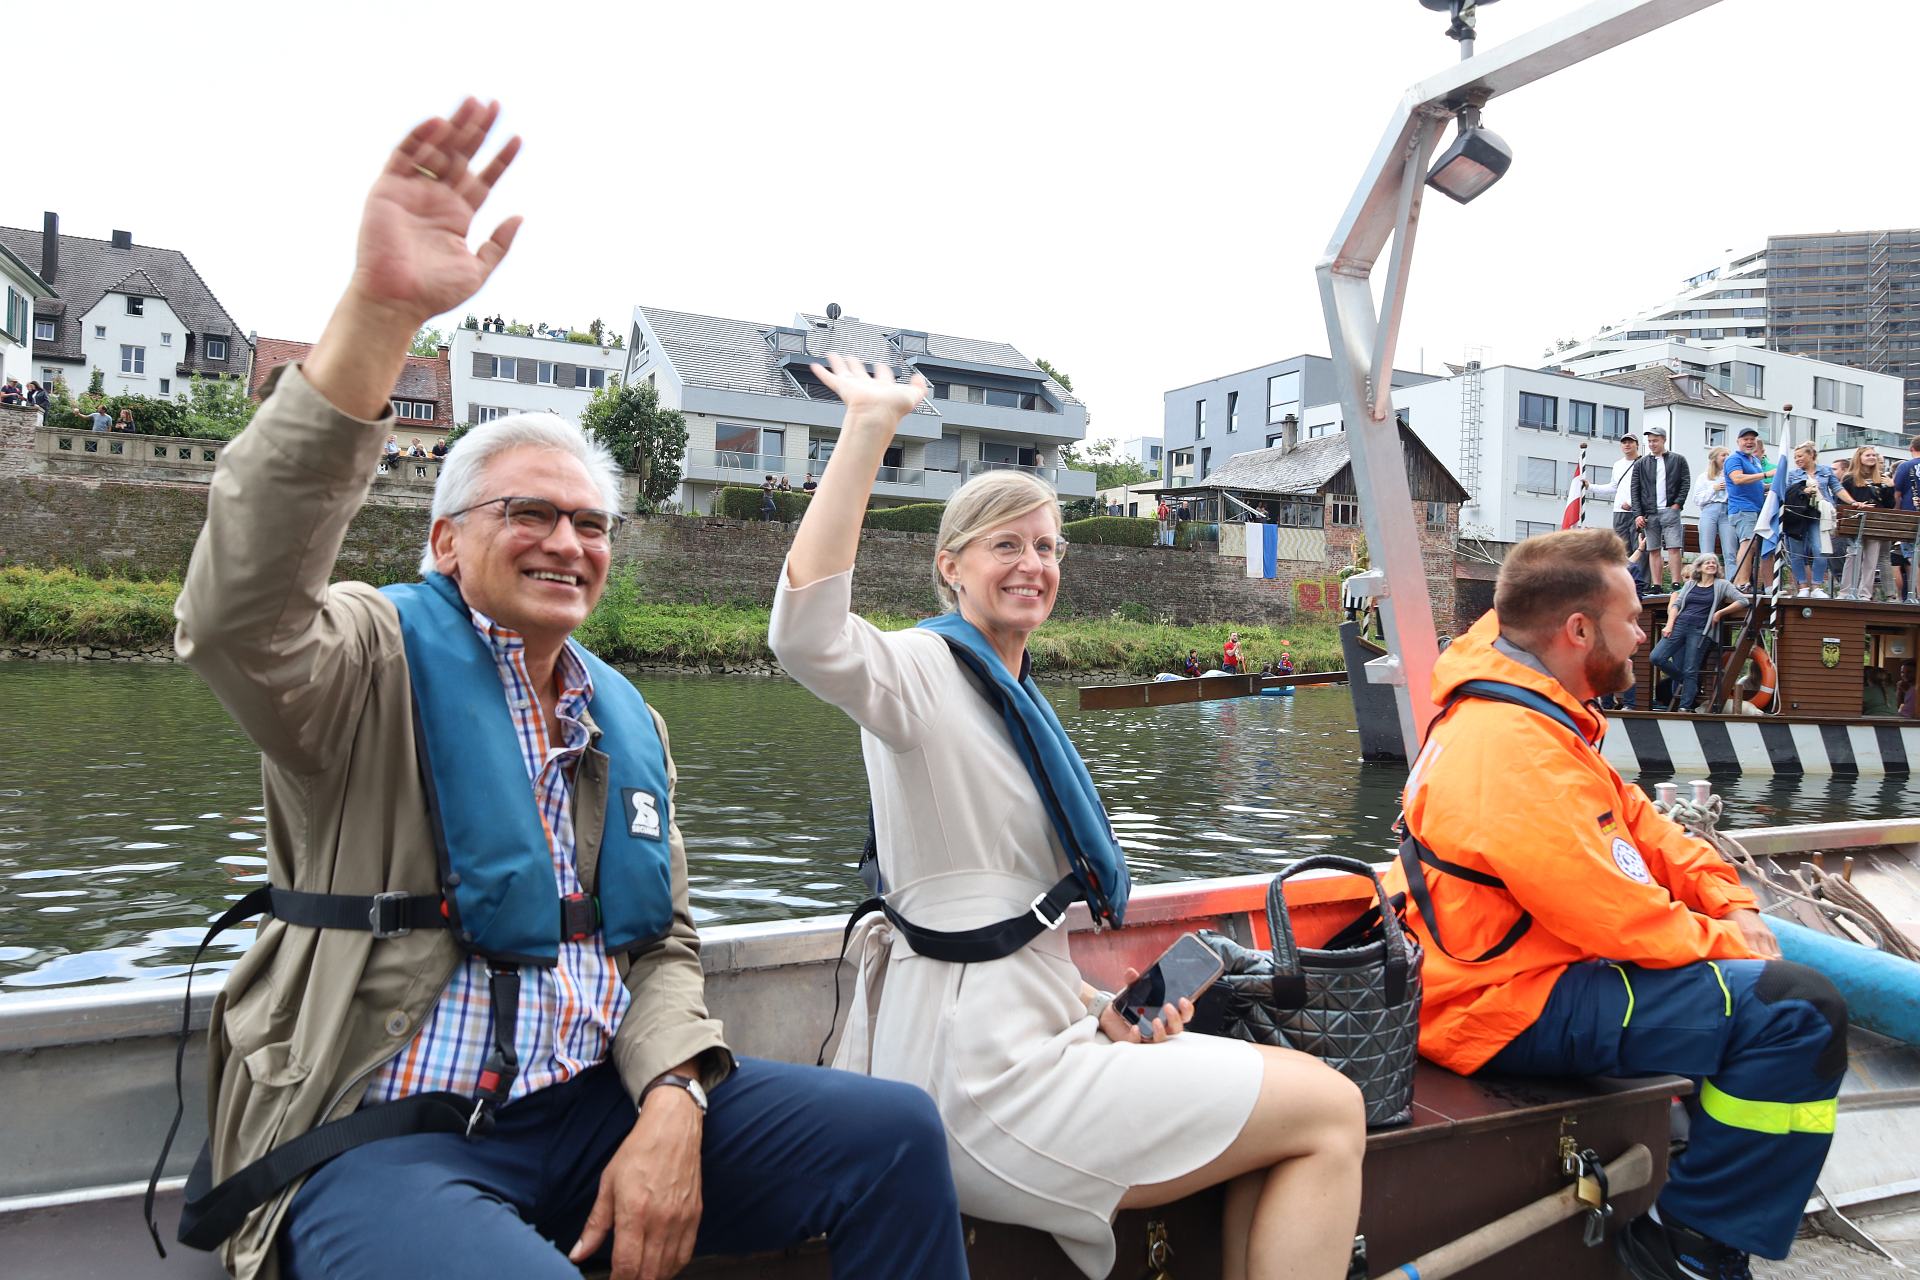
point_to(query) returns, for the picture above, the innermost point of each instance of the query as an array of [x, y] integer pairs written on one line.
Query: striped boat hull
[[1654, 742]]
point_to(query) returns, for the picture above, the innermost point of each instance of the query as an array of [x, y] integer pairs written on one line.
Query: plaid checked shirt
[[568, 1013]]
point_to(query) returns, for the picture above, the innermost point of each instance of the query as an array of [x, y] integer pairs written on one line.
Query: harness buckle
[[1040, 900], [579, 916], [386, 918]]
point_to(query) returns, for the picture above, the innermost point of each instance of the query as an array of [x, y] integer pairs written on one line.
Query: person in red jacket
[[1571, 929], [1230, 653]]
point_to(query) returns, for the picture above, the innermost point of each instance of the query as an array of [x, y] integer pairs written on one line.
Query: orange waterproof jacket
[[1506, 792]]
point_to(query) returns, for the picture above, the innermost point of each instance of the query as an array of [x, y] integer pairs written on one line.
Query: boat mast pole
[[1362, 338]]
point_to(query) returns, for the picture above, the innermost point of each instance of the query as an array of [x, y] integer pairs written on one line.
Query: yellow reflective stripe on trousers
[[1623, 977], [1721, 978], [1767, 1117]]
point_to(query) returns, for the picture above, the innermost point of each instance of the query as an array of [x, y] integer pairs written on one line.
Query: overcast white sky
[[1137, 193]]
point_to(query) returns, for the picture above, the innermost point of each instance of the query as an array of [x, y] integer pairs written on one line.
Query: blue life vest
[[495, 867], [1061, 777]]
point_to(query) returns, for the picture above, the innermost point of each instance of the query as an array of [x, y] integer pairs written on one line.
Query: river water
[[130, 805]]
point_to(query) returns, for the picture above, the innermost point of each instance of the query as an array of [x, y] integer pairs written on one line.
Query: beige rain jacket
[[317, 677]]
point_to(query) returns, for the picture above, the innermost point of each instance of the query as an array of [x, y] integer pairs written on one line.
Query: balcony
[[1858, 437], [1067, 482], [728, 467]]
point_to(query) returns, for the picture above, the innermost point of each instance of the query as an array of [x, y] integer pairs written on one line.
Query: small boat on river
[[87, 1078]]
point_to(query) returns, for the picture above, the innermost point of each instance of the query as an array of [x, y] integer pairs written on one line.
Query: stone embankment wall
[[55, 511]]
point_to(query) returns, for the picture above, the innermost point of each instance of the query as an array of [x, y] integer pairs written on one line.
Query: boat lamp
[[1476, 160]]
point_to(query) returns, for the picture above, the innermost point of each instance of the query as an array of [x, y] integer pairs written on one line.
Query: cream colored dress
[[1048, 1121]]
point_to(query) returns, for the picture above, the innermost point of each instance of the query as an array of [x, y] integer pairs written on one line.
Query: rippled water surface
[[130, 805]]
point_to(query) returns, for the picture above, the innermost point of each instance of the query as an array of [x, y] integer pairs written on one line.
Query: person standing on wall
[[1659, 492]]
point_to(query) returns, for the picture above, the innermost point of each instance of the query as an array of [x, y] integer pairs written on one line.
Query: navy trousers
[[789, 1153], [1765, 1042]]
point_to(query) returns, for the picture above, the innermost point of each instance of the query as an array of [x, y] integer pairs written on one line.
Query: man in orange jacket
[[1573, 930]]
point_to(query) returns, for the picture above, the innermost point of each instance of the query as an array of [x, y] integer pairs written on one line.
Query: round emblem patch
[[1631, 864]]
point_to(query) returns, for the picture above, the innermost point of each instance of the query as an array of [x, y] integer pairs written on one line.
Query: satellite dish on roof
[[833, 311]]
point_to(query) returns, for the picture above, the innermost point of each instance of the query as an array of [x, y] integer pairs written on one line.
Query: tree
[[1055, 374], [1110, 467], [644, 438], [596, 329], [427, 341], [217, 408]]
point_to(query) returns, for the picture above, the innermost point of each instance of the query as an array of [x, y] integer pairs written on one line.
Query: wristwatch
[[673, 1080]]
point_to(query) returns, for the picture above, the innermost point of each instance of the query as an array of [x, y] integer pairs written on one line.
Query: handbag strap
[[1289, 980]]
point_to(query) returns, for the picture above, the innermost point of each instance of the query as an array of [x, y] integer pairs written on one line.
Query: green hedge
[[917, 517], [1112, 531], [740, 502]]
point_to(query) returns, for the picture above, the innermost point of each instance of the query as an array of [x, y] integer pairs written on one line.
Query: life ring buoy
[[1763, 666]]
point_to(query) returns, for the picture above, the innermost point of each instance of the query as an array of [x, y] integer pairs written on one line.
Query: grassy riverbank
[[58, 606]]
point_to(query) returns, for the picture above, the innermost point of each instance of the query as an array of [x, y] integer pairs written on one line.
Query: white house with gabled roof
[[20, 288], [755, 408]]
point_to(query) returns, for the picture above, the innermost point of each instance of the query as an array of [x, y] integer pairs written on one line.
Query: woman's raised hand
[[876, 398], [413, 260]]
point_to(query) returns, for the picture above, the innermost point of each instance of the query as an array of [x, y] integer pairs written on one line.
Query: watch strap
[[674, 1080]]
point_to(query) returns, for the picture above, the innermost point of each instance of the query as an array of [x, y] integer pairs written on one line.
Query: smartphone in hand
[[1183, 971]]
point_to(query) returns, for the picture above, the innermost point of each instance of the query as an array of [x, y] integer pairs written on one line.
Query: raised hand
[[871, 398], [413, 258]]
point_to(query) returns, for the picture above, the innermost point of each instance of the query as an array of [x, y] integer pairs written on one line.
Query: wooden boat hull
[[86, 1086]]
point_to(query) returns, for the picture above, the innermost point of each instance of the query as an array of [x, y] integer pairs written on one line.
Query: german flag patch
[[1608, 826]]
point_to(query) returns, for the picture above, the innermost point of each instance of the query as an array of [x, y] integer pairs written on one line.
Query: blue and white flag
[[1263, 549], [1767, 526]]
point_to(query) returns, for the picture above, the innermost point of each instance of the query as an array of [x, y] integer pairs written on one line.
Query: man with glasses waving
[[471, 1037]]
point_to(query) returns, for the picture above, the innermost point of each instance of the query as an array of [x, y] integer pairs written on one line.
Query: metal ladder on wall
[[1472, 413]]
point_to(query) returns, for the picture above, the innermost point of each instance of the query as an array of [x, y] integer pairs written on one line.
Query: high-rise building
[[1848, 299]]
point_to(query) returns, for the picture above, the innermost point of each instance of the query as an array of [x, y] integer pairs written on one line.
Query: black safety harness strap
[[213, 1213], [1415, 856]]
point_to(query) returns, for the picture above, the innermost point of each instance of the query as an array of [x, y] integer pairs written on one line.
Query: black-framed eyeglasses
[[537, 518]]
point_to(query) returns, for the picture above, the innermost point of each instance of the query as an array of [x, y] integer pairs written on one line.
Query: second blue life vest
[[496, 870], [1059, 774]]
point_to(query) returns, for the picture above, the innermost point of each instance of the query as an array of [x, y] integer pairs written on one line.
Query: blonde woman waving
[[984, 815]]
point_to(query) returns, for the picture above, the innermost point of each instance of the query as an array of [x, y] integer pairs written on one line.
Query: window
[[739, 443], [1539, 475], [216, 348], [505, 367], [1299, 513], [1436, 515], [1838, 397], [133, 361], [1200, 419], [136, 306], [1346, 510], [417, 410], [943, 454], [1153, 453], [910, 344], [99, 331], [1005, 399], [543, 373], [1579, 418], [589, 378], [1716, 434], [18, 309], [1233, 412], [44, 331], [166, 385], [1206, 462], [1613, 420], [166, 339], [1541, 413], [1524, 529], [819, 450], [1283, 396], [487, 413], [49, 376]]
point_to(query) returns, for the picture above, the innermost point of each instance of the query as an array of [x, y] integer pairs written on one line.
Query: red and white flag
[[1576, 492]]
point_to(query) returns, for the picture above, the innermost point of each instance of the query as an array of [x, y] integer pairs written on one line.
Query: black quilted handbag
[[1354, 1004]]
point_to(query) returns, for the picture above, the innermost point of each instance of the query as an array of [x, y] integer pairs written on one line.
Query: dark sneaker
[[1666, 1251]]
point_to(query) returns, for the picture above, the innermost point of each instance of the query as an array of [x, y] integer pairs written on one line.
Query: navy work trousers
[[789, 1153], [1765, 1042]]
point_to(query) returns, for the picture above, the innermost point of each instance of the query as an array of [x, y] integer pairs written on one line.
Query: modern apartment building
[[1849, 299], [140, 317], [1512, 438], [1836, 406], [497, 373], [1145, 450], [754, 406], [1209, 422]]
